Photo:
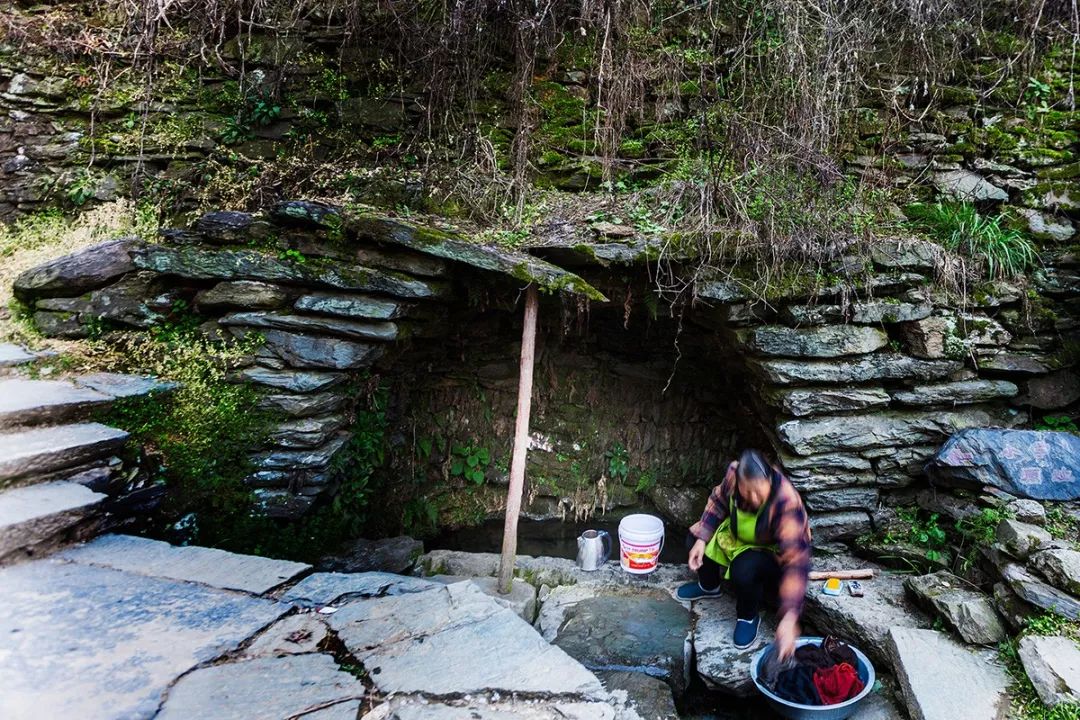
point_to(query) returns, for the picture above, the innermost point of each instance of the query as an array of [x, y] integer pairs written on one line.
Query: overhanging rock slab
[[208, 566], [455, 640], [97, 644], [448, 246]]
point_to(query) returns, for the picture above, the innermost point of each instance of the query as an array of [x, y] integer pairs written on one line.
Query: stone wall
[[328, 305], [854, 383]]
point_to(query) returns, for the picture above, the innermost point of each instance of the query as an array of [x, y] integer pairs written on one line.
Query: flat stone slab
[[208, 566], [719, 663], [30, 515], [12, 355], [330, 588], [27, 402], [943, 680], [454, 639], [865, 621], [1053, 666], [643, 630], [291, 635], [95, 643], [283, 687], [38, 451], [521, 598]]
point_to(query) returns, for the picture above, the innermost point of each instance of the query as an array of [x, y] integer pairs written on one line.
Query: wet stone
[[1041, 595], [643, 631]]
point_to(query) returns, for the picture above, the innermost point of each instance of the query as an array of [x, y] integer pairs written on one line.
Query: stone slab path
[[295, 686], [208, 566], [125, 628], [90, 642], [431, 641]]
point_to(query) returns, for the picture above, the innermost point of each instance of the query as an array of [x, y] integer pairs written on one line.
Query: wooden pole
[[521, 440]]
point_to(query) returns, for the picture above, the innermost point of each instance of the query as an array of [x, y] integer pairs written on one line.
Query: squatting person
[[754, 532]]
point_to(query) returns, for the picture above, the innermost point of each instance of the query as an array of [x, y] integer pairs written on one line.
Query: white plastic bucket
[[641, 538]]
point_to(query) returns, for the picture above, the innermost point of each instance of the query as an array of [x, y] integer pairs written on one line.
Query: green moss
[[1061, 172]]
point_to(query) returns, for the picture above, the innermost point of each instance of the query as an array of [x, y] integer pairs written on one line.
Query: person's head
[[754, 477]]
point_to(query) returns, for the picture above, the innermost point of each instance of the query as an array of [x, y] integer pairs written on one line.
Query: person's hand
[[697, 555], [787, 632]]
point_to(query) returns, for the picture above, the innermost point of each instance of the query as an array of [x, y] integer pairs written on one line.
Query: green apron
[[724, 547]]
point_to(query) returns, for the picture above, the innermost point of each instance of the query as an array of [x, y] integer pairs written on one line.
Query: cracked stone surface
[[283, 687], [107, 644], [208, 566], [329, 588], [430, 642]]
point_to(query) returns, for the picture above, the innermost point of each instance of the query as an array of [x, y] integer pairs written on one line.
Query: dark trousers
[[755, 579]]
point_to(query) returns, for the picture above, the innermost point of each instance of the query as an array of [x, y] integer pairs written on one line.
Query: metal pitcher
[[593, 549]]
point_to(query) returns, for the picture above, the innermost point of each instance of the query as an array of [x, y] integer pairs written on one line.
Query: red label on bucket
[[640, 557]]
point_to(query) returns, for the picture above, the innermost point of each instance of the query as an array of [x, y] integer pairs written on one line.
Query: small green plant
[[420, 516], [646, 481], [292, 255], [618, 460], [81, 188], [960, 227], [1057, 423], [980, 528], [1062, 525], [923, 531], [469, 462]]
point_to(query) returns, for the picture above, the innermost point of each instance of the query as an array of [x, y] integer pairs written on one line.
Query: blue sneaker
[[694, 591], [746, 632]]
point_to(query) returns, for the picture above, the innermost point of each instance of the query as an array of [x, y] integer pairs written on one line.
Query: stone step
[[35, 402], [32, 516], [12, 355], [27, 454], [209, 566]]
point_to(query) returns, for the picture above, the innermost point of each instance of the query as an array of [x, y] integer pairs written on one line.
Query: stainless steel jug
[[593, 549]]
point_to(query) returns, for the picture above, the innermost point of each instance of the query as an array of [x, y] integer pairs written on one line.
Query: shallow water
[[552, 538]]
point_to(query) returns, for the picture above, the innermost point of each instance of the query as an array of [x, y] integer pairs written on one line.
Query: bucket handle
[[606, 539]]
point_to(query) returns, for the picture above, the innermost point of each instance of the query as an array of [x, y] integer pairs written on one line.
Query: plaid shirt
[[788, 529]]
